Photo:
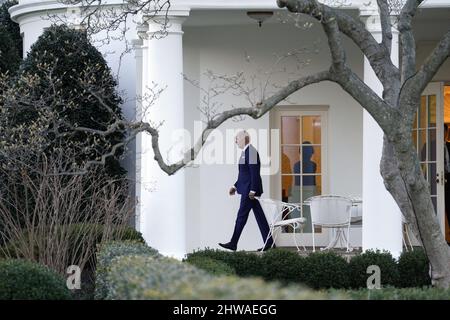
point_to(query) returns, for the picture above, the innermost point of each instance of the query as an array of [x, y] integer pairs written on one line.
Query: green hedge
[[25, 280], [235, 288], [358, 268], [326, 270], [244, 263], [133, 274], [413, 269], [284, 265], [137, 277], [389, 293], [214, 267], [105, 255]]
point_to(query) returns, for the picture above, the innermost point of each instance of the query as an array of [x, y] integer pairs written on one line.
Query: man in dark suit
[[249, 186]]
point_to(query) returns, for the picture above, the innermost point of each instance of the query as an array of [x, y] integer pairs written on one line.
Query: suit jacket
[[249, 178]]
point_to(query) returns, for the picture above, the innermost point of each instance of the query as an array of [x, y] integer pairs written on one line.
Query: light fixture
[[260, 16]]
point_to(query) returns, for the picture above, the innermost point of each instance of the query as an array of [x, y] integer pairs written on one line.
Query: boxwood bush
[[390, 293], [284, 265], [211, 266], [26, 280], [107, 252], [235, 288], [244, 263], [413, 269], [326, 270], [149, 276], [383, 259], [137, 277]]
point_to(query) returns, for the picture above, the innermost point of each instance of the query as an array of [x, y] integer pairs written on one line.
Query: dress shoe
[[266, 248], [228, 246]]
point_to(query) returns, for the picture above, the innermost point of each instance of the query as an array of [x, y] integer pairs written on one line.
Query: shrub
[[25, 280], [147, 276], [283, 265], [9, 57], [413, 269], [214, 267], [390, 293], [326, 270], [234, 288], [76, 236], [75, 64], [358, 268], [107, 252], [10, 26], [246, 264], [132, 277]]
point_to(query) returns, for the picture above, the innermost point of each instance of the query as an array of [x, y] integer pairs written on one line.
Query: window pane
[[432, 145], [311, 129], [422, 114], [286, 188], [422, 135], [289, 156], [312, 159], [432, 177], [290, 130], [432, 111]]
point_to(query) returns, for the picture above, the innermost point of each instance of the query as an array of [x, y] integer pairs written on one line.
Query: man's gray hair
[[243, 134]]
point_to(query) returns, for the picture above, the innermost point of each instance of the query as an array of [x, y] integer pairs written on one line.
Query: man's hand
[[232, 191], [251, 195]]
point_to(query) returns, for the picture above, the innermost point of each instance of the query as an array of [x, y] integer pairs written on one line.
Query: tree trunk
[[403, 178]]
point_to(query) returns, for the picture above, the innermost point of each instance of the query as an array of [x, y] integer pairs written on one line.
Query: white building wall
[[222, 49]]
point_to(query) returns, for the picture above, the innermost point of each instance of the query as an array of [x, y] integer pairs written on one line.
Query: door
[[302, 173], [428, 135]]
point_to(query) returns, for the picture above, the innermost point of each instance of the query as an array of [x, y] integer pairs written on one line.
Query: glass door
[[302, 154], [428, 136]]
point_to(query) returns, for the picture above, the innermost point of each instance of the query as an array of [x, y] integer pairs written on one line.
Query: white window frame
[[286, 239]]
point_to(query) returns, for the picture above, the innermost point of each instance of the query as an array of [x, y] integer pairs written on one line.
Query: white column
[[382, 223], [138, 50], [162, 197]]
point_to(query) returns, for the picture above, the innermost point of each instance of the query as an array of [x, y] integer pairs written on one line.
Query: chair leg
[[348, 239], [314, 242], [271, 229]]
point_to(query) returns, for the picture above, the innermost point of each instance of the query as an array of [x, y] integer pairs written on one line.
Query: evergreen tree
[[74, 64]]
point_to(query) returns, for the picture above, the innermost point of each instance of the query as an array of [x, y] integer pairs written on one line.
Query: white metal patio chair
[[276, 212], [334, 212]]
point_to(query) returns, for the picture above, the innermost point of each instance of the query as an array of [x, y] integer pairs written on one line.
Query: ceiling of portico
[[200, 18], [429, 24]]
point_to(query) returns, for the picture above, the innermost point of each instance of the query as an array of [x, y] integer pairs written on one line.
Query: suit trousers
[[244, 209]]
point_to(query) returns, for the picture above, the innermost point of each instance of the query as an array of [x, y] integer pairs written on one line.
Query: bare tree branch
[[385, 19], [377, 54], [255, 112], [414, 86], [408, 56]]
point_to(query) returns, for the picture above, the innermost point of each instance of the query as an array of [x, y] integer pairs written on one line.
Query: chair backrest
[[274, 210], [330, 210]]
